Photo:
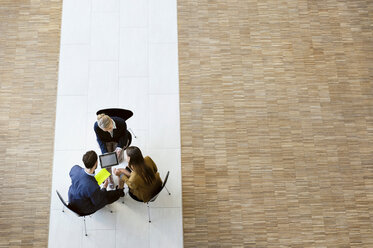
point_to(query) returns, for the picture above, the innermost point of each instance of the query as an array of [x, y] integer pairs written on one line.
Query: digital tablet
[[108, 159]]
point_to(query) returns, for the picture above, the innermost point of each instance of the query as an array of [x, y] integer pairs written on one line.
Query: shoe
[[122, 194]]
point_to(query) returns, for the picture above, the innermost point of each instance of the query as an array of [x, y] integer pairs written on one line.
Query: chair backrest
[[67, 205], [163, 185], [165, 179], [62, 200], [122, 113]]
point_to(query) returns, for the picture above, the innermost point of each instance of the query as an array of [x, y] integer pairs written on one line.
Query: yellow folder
[[101, 176]]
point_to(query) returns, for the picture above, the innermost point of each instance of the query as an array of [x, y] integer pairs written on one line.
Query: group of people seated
[[141, 175]]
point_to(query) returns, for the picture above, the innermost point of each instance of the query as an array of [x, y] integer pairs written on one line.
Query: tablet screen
[[108, 159]]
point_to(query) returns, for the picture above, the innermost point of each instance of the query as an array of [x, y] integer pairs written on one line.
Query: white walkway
[[118, 53]]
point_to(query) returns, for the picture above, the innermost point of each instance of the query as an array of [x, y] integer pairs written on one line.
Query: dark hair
[[90, 159], [138, 164]]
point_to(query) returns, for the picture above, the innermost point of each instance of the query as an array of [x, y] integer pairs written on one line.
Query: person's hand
[[127, 173], [106, 183], [116, 172], [121, 184], [118, 151]]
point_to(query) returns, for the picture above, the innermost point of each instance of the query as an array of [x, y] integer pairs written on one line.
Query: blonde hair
[[103, 121]]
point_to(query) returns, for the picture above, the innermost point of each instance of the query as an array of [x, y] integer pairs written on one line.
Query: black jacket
[[120, 134]]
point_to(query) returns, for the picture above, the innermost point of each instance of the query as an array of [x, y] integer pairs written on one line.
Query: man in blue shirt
[[85, 195]]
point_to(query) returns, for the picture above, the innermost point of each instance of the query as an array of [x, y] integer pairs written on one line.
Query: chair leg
[[167, 190], [149, 212], [107, 207], [129, 129], [85, 227]]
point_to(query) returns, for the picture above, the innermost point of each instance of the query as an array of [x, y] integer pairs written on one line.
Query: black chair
[[72, 210], [125, 114], [156, 196], [122, 113]]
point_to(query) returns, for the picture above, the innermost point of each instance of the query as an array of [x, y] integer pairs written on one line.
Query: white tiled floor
[[119, 53], [133, 55]]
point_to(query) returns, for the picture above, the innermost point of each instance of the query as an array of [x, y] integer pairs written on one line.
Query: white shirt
[[89, 173]]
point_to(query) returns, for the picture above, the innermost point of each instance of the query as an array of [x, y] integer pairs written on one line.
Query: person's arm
[[130, 181], [74, 170], [99, 195], [99, 141], [124, 177], [122, 142]]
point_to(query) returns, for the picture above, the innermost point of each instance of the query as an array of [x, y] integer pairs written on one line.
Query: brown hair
[[89, 159], [138, 164]]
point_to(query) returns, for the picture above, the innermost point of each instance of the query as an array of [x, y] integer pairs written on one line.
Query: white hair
[[103, 121]]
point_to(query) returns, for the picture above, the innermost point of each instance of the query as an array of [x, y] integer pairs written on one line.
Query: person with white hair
[[112, 135]]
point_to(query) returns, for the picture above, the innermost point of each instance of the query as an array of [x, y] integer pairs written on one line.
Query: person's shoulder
[[76, 168], [149, 161], [117, 120], [95, 126]]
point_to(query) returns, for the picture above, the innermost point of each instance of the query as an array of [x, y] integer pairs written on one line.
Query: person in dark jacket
[[85, 195], [112, 135]]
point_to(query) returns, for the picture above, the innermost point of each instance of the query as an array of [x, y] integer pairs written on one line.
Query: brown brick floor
[[276, 123], [29, 49]]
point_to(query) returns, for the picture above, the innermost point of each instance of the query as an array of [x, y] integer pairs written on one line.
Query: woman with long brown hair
[[143, 181]]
